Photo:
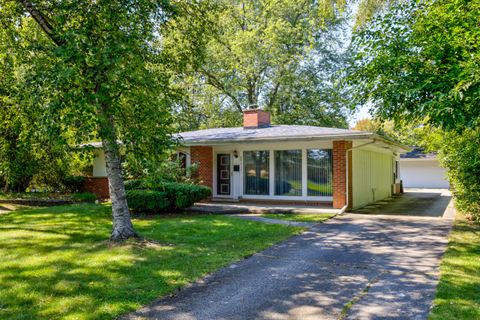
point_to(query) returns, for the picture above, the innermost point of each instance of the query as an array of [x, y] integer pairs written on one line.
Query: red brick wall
[[204, 157], [339, 174], [97, 186], [255, 118]]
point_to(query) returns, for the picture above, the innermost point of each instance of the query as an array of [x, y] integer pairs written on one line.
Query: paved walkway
[[381, 267]]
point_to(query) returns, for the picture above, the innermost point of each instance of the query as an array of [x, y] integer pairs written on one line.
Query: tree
[[421, 59], [96, 70], [419, 63], [280, 55]]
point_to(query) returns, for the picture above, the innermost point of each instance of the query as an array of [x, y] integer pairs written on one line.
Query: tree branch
[[42, 21], [212, 80]]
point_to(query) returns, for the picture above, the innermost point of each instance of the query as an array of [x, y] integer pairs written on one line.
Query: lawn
[[310, 217], [56, 262], [458, 292]]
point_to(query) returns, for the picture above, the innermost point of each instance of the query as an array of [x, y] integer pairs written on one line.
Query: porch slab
[[246, 207]]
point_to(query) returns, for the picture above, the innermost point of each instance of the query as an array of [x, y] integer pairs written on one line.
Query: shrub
[[73, 183], [84, 197], [147, 201], [135, 185], [170, 195], [184, 195], [461, 155]]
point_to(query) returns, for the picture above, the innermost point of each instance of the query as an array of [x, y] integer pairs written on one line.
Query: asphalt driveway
[[351, 267]]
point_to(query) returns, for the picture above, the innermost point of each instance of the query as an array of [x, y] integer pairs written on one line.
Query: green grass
[[32, 195], [458, 292], [57, 264], [299, 217]]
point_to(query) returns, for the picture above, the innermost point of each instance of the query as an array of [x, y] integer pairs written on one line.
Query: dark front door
[[223, 174]]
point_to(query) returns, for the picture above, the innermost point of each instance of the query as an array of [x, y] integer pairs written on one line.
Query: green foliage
[[418, 63], [461, 155], [280, 55], [421, 60], [157, 196], [73, 183], [84, 197], [166, 170], [147, 201]]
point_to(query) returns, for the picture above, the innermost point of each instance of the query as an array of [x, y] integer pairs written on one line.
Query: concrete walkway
[[259, 218], [354, 267]]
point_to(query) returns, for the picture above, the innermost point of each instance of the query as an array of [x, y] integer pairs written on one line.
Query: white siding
[[372, 176], [99, 168], [420, 173]]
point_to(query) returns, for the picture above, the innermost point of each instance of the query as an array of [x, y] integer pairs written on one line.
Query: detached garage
[[422, 170]]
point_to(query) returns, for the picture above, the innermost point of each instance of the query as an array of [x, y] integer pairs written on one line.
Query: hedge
[[165, 196], [147, 201]]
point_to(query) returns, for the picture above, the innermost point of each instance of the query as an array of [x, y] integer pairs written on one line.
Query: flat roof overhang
[[386, 143]]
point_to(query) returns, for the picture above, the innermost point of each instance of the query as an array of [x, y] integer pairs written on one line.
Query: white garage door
[[420, 173]]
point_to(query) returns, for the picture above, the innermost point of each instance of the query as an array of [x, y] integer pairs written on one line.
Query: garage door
[[420, 173]]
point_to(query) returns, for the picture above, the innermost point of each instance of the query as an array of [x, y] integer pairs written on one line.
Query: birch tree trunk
[[122, 224]]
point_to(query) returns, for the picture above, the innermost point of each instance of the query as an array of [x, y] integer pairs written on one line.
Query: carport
[[415, 202]]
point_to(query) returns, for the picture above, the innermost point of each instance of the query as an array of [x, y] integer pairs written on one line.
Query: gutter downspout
[[342, 211]]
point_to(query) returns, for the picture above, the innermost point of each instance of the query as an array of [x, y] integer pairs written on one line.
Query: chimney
[[256, 118]]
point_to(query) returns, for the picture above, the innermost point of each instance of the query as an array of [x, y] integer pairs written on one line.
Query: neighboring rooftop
[[418, 153], [274, 132]]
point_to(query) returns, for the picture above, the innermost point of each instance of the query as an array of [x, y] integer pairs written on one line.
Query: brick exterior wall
[[204, 157], [339, 174], [97, 186], [255, 118]]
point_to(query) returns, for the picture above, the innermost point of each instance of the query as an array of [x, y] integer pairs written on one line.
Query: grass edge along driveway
[[300, 217], [458, 290], [56, 262]]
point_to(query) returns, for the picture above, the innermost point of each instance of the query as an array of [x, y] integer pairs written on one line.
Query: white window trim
[[272, 196]]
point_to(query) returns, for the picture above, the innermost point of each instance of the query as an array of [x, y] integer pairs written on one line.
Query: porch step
[[224, 200]]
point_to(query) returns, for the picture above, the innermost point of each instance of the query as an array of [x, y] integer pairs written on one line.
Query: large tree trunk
[[122, 224]]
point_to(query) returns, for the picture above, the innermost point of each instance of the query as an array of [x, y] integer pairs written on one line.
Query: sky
[[361, 113]]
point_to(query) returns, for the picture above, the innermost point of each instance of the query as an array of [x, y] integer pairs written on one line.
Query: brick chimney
[[255, 118]]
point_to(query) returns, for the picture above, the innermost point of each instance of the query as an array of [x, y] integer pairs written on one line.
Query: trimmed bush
[[147, 201], [135, 185], [84, 197], [174, 196], [73, 183]]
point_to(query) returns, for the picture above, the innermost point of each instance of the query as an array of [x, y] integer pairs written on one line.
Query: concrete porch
[[251, 207]]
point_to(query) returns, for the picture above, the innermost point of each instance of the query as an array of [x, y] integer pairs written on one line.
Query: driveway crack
[[360, 295]]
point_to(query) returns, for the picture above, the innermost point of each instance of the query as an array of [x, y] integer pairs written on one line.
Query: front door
[[223, 174]]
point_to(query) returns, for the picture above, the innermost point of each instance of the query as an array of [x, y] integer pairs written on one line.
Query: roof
[[418, 153], [276, 133]]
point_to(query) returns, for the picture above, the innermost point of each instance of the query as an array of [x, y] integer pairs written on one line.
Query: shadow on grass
[[57, 263]]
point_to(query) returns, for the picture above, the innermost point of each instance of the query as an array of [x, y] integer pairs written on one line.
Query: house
[[422, 170], [288, 164]]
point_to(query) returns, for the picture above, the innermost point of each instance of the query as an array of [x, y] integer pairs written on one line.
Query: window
[[288, 173], [256, 172], [182, 159], [319, 172]]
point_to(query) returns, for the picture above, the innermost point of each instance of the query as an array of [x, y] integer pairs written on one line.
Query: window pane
[[256, 168], [288, 173], [319, 172]]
